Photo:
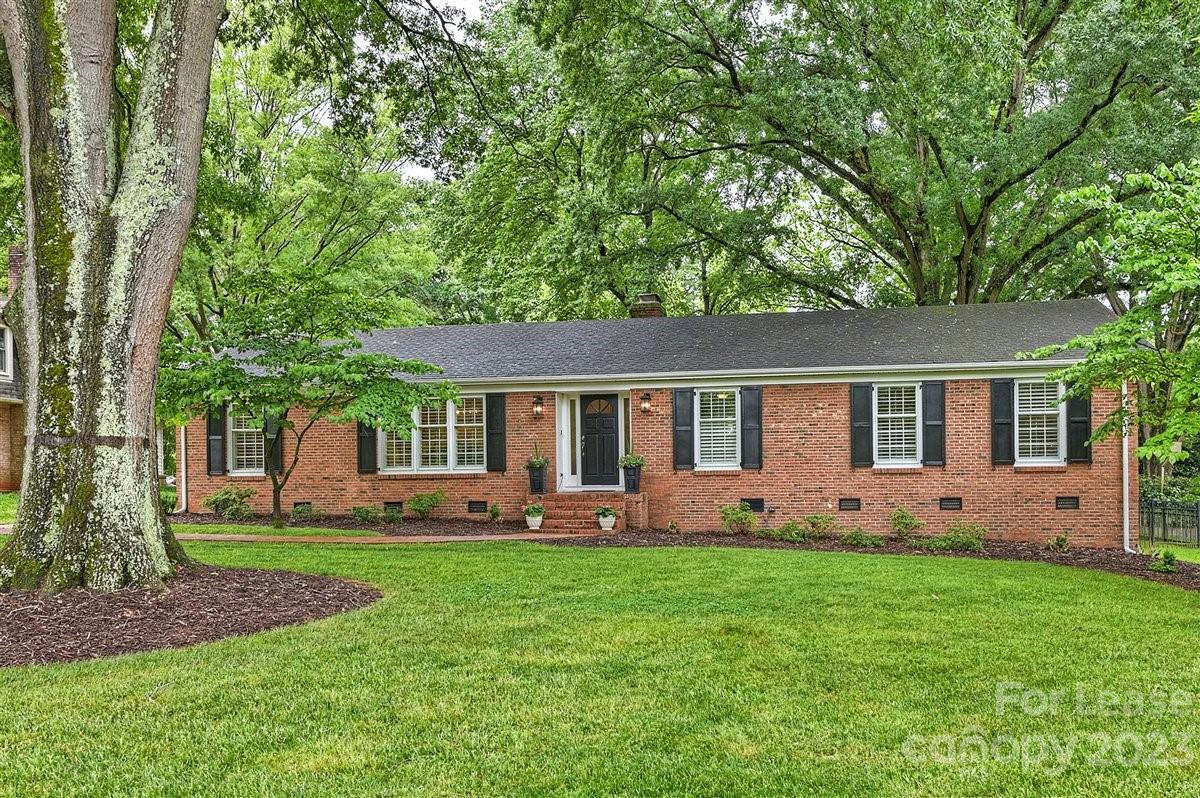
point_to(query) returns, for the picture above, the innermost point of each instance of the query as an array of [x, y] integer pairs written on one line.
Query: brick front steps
[[576, 511]]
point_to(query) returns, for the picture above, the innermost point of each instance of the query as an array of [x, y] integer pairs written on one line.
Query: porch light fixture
[[645, 403], [537, 406]]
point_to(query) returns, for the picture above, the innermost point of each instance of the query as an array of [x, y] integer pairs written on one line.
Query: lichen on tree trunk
[[105, 236]]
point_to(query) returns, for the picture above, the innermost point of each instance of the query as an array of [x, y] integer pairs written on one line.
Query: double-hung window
[[445, 436], [6, 355], [897, 425], [717, 442], [1041, 422], [247, 449]]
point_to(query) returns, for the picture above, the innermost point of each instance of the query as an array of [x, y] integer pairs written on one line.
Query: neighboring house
[[849, 413], [12, 409]]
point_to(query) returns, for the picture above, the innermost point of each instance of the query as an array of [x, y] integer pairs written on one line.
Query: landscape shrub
[[1164, 562], [494, 513], [303, 512], [166, 500], [820, 525], [959, 536], [738, 519], [861, 538], [1058, 542], [672, 528], [791, 531], [366, 515], [423, 504], [230, 502], [393, 516], [905, 523]]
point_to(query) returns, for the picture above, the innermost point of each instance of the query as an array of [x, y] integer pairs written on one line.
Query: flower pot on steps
[[534, 521], [607, 522]]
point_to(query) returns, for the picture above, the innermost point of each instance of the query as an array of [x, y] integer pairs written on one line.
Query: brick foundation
[[806, 469]]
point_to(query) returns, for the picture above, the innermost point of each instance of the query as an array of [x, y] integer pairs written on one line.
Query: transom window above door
[[599, 407]]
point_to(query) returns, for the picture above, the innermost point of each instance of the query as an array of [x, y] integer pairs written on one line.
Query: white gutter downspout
[[181, 495], [1125, 470]]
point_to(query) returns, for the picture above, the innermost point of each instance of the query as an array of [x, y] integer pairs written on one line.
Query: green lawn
[[8, 507], [259, 529], [516, 669]]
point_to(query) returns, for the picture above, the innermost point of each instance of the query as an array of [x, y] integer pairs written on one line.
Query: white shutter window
[[247, 449], [1040, 421], [468, 432], [433, 425], [897, 425], [717, 428], [397, 451]]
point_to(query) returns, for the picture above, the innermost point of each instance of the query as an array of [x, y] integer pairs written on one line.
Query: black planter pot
[[633, 479], [537, 479]]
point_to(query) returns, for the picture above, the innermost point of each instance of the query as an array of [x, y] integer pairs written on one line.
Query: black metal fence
[[1170, 522]]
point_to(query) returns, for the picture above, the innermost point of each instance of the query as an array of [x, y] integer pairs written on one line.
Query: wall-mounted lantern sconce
[[645, 403], [537, 406]]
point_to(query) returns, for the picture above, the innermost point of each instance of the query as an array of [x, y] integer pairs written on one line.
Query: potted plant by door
[[632, 464], [536, 466], [533, 515], [607, 517]]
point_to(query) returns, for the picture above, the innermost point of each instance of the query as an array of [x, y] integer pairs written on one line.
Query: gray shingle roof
[[770, 342]]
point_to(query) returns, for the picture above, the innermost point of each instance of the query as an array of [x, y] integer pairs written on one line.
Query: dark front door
[[600, 432]]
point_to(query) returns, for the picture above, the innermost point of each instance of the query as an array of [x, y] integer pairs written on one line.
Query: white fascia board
[[722, 379]]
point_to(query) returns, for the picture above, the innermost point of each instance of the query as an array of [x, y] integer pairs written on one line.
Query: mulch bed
[[200, 604], [410, 526], [1115, 561]]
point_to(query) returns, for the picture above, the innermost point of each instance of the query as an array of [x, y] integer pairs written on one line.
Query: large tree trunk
[[107, 216]]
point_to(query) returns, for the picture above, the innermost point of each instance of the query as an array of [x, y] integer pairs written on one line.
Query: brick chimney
[[646, 305], [16, 264]]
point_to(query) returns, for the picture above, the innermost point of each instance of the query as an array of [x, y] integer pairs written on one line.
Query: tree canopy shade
[[280, 190], [1151, 260], [109, 99], [863, 152]]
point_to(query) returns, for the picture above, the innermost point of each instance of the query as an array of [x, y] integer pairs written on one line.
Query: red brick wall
[[806, 469], [327, 474], [12, 445]]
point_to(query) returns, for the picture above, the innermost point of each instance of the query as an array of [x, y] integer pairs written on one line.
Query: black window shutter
[[752, 454], [1002, 423], [861, 447], [684, 434], [274, 441], [216, 441], [497, 437], [933, 423], [1079, 429], [368, 460]]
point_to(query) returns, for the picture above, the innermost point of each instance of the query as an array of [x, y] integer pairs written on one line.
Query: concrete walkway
[[385, 539]]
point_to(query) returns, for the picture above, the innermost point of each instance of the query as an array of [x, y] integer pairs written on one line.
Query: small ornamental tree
[[291, 357], [1150, 264]]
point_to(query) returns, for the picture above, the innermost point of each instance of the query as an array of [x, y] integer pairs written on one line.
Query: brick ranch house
[[849, 413]]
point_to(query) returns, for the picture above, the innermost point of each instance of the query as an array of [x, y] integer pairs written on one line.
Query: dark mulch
[[410, 526], [1115, 561], [200, 604]]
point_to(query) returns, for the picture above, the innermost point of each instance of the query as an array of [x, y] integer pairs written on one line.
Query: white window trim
[[917, 463], [231, 455], [6, 373], [737, 426], [451, 467], [1062, 427]]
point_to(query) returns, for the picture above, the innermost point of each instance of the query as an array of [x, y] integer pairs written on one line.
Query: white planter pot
[[534, 521], [607, 522]]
